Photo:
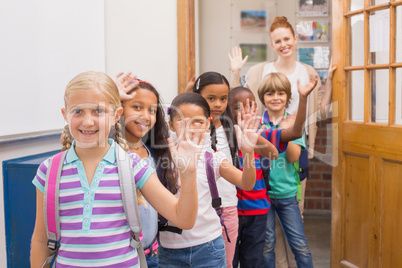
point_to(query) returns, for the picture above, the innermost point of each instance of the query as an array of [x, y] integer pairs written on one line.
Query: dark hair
[[156, 141], [238, 90], [196, 99], [214, 78]]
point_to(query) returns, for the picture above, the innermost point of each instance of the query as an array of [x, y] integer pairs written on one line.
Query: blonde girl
[[94, 230]]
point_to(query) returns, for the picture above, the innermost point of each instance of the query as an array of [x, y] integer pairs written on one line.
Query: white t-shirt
[[227, 191], [207, 225], [300, 73]]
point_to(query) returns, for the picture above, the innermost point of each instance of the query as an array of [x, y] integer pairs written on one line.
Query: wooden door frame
[[345, 131], [185, 42]]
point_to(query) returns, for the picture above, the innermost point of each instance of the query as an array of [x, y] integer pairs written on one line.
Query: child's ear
[[119, 112], [63, 112], [171, 126]]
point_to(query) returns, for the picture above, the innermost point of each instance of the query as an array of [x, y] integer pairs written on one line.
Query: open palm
[[187, 150]]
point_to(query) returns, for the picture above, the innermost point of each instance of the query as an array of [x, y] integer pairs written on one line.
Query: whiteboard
[[43, 45]]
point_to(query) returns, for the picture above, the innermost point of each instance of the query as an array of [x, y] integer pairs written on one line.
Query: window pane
[[398, 34], [398, 97], [356, 96], [379, 96], [356, 5], [356, 30], [379, 37], [377, 2]]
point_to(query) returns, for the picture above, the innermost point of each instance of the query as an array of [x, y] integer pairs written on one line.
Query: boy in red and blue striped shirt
[[253, 205]]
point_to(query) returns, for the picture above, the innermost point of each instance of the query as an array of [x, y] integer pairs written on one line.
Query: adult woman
[[283, 41]]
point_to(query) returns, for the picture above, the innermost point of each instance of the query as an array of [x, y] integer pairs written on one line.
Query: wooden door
[[367, 180]]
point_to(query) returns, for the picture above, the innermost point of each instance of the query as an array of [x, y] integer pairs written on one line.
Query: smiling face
[[195, 114], [140, 114], [217, 98], [90, 117], [283, 42], [235, 101], [275, 101]]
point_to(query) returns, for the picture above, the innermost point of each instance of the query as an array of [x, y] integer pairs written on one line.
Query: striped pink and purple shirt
[[94, 229]]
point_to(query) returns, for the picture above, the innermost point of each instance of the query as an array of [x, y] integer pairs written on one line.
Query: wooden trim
[[346, 264], [396, 65], [353, 13], [396, 3], [340, 82], [359, 138], [353, 68], [378, 7], [367, 82], [185, 42], [392, 71], [377, 66]]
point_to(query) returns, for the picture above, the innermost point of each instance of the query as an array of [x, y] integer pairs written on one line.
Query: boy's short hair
[[275, 82]]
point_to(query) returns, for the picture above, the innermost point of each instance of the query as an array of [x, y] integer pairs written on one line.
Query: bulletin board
[[44, 44]]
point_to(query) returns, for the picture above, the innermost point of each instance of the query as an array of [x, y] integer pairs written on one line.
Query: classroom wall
[[141, 36]]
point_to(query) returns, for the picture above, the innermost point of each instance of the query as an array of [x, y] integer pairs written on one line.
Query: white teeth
[[88, 132]]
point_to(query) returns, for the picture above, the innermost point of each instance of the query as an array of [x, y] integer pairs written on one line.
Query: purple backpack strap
[[216, 200], [51, 204]]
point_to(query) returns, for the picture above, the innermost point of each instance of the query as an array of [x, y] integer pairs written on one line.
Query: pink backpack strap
[[51, 203]]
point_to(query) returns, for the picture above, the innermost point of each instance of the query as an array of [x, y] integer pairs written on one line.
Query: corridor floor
[[318, 232]]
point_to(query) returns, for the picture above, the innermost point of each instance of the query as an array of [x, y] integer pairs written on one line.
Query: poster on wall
[[318, 57], [253, 19], [255, 52], [312, 31], [312, 8]]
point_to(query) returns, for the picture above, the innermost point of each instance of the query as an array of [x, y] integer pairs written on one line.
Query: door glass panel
[[398, 35], [356, 96], [356, 5], [379, 96], [379, 37], [398, 97], [356, 29]]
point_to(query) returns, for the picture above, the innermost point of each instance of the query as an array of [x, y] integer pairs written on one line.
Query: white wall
[[141, 36]]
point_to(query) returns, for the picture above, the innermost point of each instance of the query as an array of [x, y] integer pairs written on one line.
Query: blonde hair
[[275, 82], [281, 22], [106, 85]]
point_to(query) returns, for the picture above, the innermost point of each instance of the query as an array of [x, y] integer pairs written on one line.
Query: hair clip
[[197, 86], [211, 118], [168, 110]]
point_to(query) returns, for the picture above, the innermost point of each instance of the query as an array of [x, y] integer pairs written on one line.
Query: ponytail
[[213, 136], [66, 138], [119, 137]]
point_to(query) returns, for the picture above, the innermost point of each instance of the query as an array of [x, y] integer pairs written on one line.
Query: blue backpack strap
[[149, 230], [216, 200], [129, 198], [51, 204]]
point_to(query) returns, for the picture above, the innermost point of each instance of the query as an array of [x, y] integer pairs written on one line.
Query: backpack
[[129, 198], [216, 200]]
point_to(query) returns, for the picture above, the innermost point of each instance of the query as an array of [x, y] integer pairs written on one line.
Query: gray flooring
[[318, 232]]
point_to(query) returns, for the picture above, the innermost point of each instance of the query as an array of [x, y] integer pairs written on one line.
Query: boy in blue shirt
[[275, 92]]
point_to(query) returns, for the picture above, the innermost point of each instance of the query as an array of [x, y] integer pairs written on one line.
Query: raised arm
[[236, 63], [247, 139], [125, 83], [326, 99], [263, 146], [182, 211], [296, 131]]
